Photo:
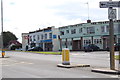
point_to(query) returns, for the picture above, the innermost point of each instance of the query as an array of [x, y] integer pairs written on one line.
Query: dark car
[[91, 47], [35, 49], [116, 47]]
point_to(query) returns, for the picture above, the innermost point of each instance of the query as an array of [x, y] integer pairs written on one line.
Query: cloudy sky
[[22, 16]]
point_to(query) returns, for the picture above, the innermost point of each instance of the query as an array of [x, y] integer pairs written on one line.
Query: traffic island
[[73, 65], [5, 57], [106, 71], [66, 60]]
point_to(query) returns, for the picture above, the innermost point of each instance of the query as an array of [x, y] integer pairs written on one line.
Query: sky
[[23, 16]]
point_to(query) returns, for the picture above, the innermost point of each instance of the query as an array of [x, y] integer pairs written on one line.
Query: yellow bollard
[[65, 56], [3, 53]]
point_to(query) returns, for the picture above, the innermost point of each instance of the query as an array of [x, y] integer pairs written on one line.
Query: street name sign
[[112, 13], [107, 4]]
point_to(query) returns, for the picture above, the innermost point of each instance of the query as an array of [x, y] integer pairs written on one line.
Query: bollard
[[65, 56], [3, 53]]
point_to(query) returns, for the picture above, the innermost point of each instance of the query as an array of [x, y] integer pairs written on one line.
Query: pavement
[[106, 71]]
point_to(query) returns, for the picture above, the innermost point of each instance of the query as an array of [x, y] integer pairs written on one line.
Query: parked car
[[91, 47], [116, 47], [35, 49]]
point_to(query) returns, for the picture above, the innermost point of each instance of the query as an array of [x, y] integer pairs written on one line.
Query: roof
[[14, 42]]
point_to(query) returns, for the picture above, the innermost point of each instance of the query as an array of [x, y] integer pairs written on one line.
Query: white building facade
[[25, 41], [46, 38]]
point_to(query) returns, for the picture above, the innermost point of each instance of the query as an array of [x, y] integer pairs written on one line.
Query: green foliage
[[7, 37], [117, 57]]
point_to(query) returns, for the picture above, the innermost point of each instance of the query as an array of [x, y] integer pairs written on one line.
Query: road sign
[[107, 4], [111, 13]]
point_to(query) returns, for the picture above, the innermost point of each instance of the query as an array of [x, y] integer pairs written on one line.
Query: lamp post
[[3, 52]]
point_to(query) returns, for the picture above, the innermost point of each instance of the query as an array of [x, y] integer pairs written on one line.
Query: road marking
[[115, 76], [75, 54]]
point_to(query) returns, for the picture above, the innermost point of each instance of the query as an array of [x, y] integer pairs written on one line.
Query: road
[[33, 65]]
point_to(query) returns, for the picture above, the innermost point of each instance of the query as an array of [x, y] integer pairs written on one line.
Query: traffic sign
[[107, 4], [111, 13]]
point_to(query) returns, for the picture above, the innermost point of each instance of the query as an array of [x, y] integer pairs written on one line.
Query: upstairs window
[[50, 35], [80, 30], [45, 36], [42, 36], [38, 37], [73, 31], [34, 38], [67, 31], [90, 30], [61, 32]]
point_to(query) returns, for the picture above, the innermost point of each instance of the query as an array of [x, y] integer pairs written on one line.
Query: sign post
[[111, 15], [3, 51]]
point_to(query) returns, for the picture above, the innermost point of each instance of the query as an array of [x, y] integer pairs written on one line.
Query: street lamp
[[3, 52]]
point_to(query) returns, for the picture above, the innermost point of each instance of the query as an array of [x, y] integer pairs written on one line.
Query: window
[[34, 38], [42, 36], [38, 37], [67, 31], [107, 27], [30, 38], [50, 35], [102, 29], [61, 32], [87, 41], [80, 30], [45, 36], [73, 31], [97, 41], [90, 30]]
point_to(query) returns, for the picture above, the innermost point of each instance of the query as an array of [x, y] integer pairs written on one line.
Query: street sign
[[111, 13], [107, 4]]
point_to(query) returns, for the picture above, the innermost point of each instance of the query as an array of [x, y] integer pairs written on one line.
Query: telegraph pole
[[111, 33], [111, 15]]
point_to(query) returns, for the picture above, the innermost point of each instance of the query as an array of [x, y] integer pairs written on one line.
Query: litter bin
[[65, 56]]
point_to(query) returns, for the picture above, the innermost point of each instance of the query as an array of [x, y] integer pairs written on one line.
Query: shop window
[[95, 41], [100, 41], [89, 41]]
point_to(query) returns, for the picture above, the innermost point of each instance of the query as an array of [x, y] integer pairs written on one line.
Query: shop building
[[75, 37], [46, 38]]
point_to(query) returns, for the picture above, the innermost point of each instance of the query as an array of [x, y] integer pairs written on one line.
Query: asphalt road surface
[[33, 65]]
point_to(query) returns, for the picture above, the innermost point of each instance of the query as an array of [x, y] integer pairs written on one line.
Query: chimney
[[88, 21]]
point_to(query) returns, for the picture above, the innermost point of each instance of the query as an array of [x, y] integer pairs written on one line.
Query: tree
[[7, 37]]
